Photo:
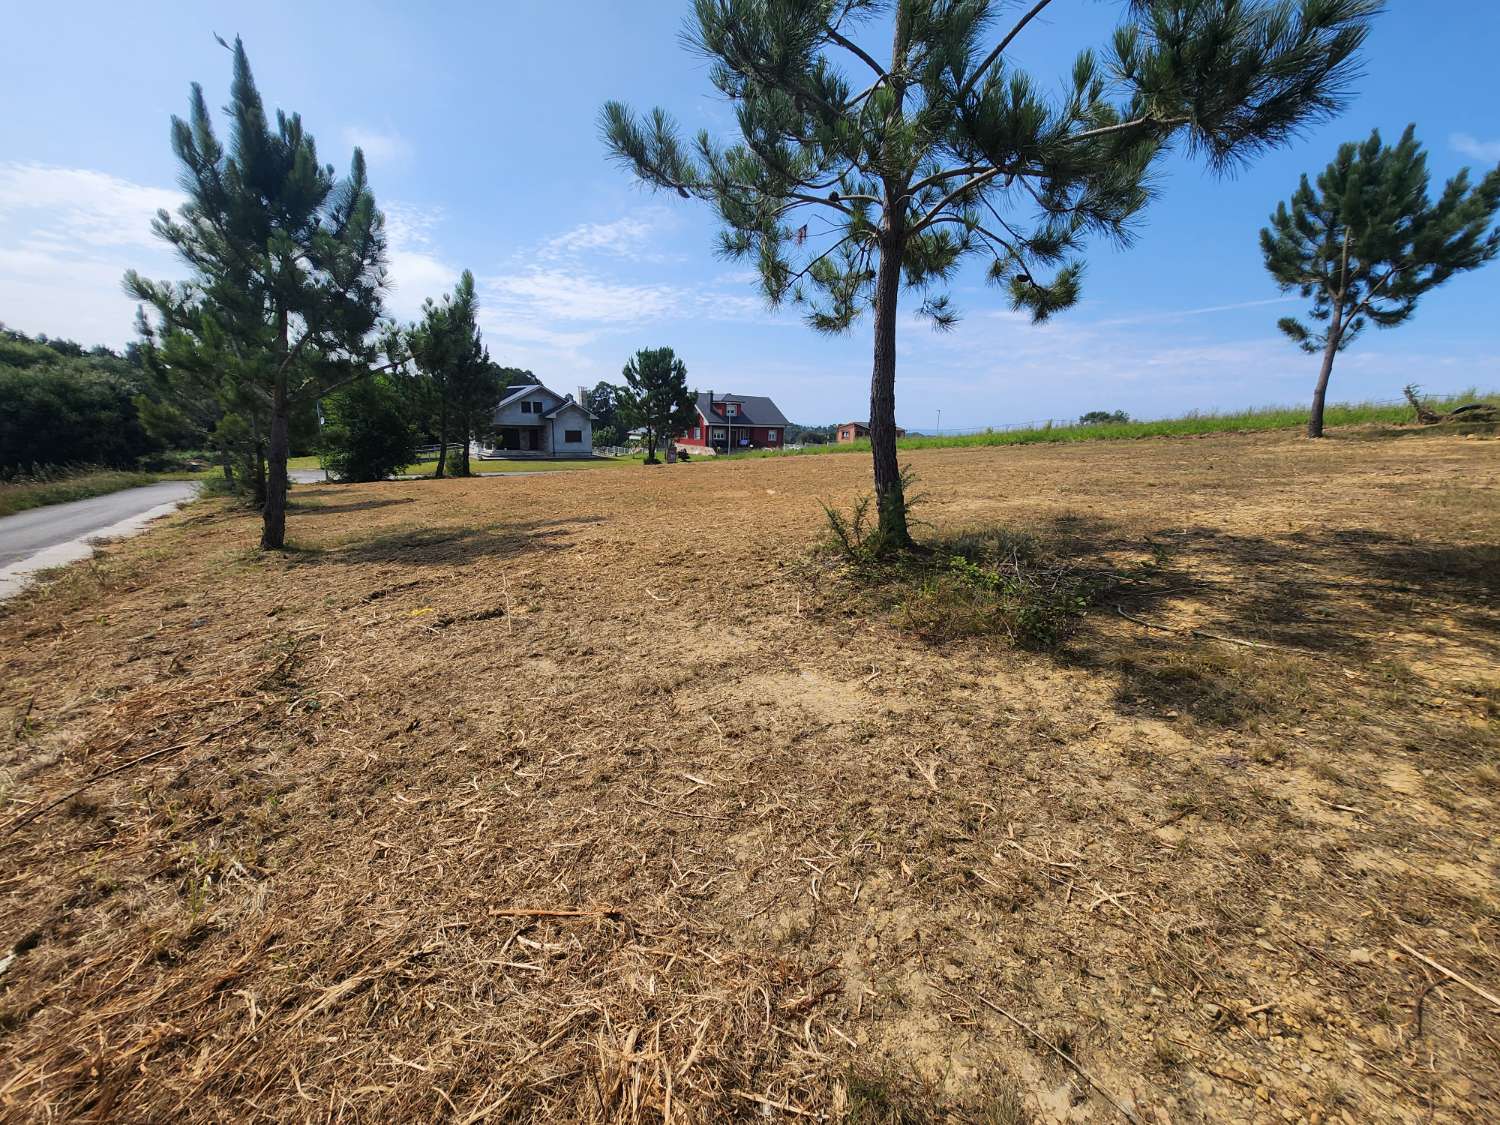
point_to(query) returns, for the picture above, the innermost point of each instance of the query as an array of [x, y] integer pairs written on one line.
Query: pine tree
[[1367, 243], [287, 261], [944, 149], [449, 353], [477, 389], [656, 398]]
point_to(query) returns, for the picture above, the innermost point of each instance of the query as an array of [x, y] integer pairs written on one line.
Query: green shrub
[[990, 582], [366, 432]]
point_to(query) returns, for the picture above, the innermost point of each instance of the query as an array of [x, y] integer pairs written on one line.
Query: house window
[[732, 409], [771, 436], [697, 432], [526, 408], [574, 437]]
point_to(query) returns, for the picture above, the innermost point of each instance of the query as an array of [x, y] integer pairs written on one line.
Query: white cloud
[[67, 236], [1474, 148], [639, 237], [569, 295], [80, 206], [1181, 314], [619, 237], [379, 147], [417, 269]]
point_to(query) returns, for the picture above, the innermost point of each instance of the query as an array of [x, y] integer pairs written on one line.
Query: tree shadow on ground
[[1302, 603], [454, 546], [1413, 431], [317, 508]]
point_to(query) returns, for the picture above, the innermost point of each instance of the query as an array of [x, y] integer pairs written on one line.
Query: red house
[[730, 423]]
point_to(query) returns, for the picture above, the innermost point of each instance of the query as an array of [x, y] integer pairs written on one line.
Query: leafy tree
[[1367, 243], [515, 376], [288, 265], [603, 402], [367, 430], [943, 149], [1101, 417], [446, 347], [656, 398], [62, 405]]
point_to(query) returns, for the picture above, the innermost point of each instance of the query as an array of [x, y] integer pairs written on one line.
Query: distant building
[[853, 431], [731, 423], [531, 421]]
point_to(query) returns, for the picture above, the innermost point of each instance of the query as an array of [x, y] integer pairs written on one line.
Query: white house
[[532, 421]]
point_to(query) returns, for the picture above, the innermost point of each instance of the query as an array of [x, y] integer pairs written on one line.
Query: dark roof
[[754, 410]]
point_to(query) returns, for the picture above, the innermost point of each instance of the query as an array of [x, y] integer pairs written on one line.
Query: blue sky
[[479, 125]]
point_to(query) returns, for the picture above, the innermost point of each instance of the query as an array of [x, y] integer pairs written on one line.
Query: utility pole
[[940, 423]]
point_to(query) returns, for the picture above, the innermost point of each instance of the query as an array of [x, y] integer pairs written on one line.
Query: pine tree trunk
[[273, 529], [463, 455], [257, 467], [1335, 331], [442, 440], [273, 514], [889, 498]]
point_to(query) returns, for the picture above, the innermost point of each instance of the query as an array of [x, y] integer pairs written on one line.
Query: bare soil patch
[[585, 797]]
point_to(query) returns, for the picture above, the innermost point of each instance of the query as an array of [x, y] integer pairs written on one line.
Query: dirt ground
[[282, 833]]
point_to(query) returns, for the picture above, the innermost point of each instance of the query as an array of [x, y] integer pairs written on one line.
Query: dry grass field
[[593, 797]]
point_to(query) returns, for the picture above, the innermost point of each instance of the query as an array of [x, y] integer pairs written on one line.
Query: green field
[[1245, 421]]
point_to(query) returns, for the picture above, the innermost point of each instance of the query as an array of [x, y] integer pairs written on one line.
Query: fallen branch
[[35, 814], [1053, 1047], [1206, 635], [538, 912], [1450, 974], [679, 812]]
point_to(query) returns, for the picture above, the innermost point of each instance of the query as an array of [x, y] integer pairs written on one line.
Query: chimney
[[583, 397]]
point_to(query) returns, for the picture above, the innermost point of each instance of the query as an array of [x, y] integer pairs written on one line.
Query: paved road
[[30, 532]]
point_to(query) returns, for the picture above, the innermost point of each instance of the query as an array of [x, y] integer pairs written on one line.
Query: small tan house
[[853, 431]]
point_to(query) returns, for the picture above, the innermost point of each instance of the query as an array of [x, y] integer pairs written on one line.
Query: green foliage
[[287, 267], [603, 402], [981, 583], [367, 431], [950, 133], [945, 150], [60, 405], [456, 386], [1367, 243], [1103, 417], [656, 398], [999, 581]]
